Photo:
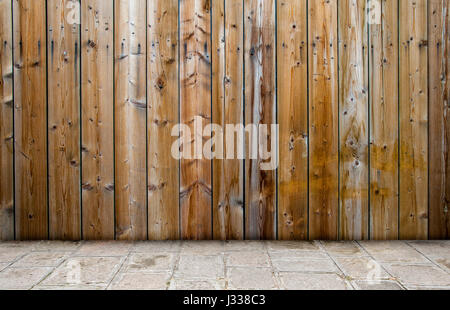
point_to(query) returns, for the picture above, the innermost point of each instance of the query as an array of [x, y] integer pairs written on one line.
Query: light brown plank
[[439, 139], [163, 100], [323, 114], [63, 48], [130, 119], [383, 58], [30, 119], [260, 108], [97, 119], [413, 103], [195, 92], [228, 108], [293, 119], [353, 121], [6, 123]]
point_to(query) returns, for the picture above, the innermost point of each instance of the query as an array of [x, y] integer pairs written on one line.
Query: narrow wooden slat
[[63, 48], [130, 119], [323, 114], [383, 61], [439, 139], [195, 92], [413, 103], [30, 119], [6, 123], [260, 108], [163, 100], [293, 119], [353, 121], [227, 92], [97, 119]]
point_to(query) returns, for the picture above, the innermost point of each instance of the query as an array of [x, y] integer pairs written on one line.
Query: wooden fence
[[90, 91]]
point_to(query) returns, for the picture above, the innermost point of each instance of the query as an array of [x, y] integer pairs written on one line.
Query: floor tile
[[140, 281], [22, 278], [427, 275], [377, 285], [311, 281], [362, 268], [251, 278], [41, 259], [200, 267], [247, 259], [144, 263]]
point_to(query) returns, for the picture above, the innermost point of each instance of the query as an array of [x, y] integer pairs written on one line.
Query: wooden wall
[[90, 91]]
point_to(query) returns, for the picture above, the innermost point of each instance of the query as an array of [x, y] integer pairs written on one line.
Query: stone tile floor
[[393, 265]]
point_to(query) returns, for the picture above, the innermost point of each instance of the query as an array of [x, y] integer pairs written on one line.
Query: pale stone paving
[[215, 265]]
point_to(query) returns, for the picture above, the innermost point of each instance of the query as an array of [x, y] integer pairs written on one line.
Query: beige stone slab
[[292, 245], [443, 263], [144, 263], [22, 278], [393, 251], [312, 281], [3, 266], [343, 249], [247, 259], [199, 285], [200, 267], [156, 246], [8, 255], [362, 268], [304, 265], [84, 270], [56, 246], [377, 285], [41, 259], [203, 247], [231, 246], [140, 281], [421, 275], [433, 249], [79, 287], [251, 278], [293, 254], [104, 248]]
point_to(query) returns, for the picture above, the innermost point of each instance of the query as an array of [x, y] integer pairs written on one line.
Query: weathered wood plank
[[293, 119], [383, 59], [163, 100], [6, 123], [439, 139], [97, 119], [195, 105], [130, 119], [353, 121], [228, 108], [260, 109], [63, 48], [413, 103], [30, 119], [323, 114]]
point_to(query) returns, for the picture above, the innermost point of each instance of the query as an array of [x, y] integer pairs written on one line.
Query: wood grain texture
[[6, 123], [383, 61], [413, 103], [163, 100], [439, 139], [293, 119], [228, 108], [63, 48], [30, 119], [130, 119], [195, 104], [353, 121], [324, 122], [97, 119], [260, 109]]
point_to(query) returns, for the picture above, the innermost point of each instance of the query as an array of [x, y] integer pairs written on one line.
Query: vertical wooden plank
[[293, 119], [353, 121], [130, 119], [30, 119], [163, 100], [439, 139], [323, 114], [63, 48], [97, 119], [6, 123], [260, 108], [383, 59], [195, 105], [413, 120], [228, 108]]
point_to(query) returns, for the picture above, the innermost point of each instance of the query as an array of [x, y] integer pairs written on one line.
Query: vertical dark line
[[307, 117], [339, 232], [243, 111], [224, 73], [46, 125], [368, 116], [13, 121], [428, 117], [114, 115], [398, 119], [211, 108], [179, 119], [276, 119], [81, 123], [146, 115]]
